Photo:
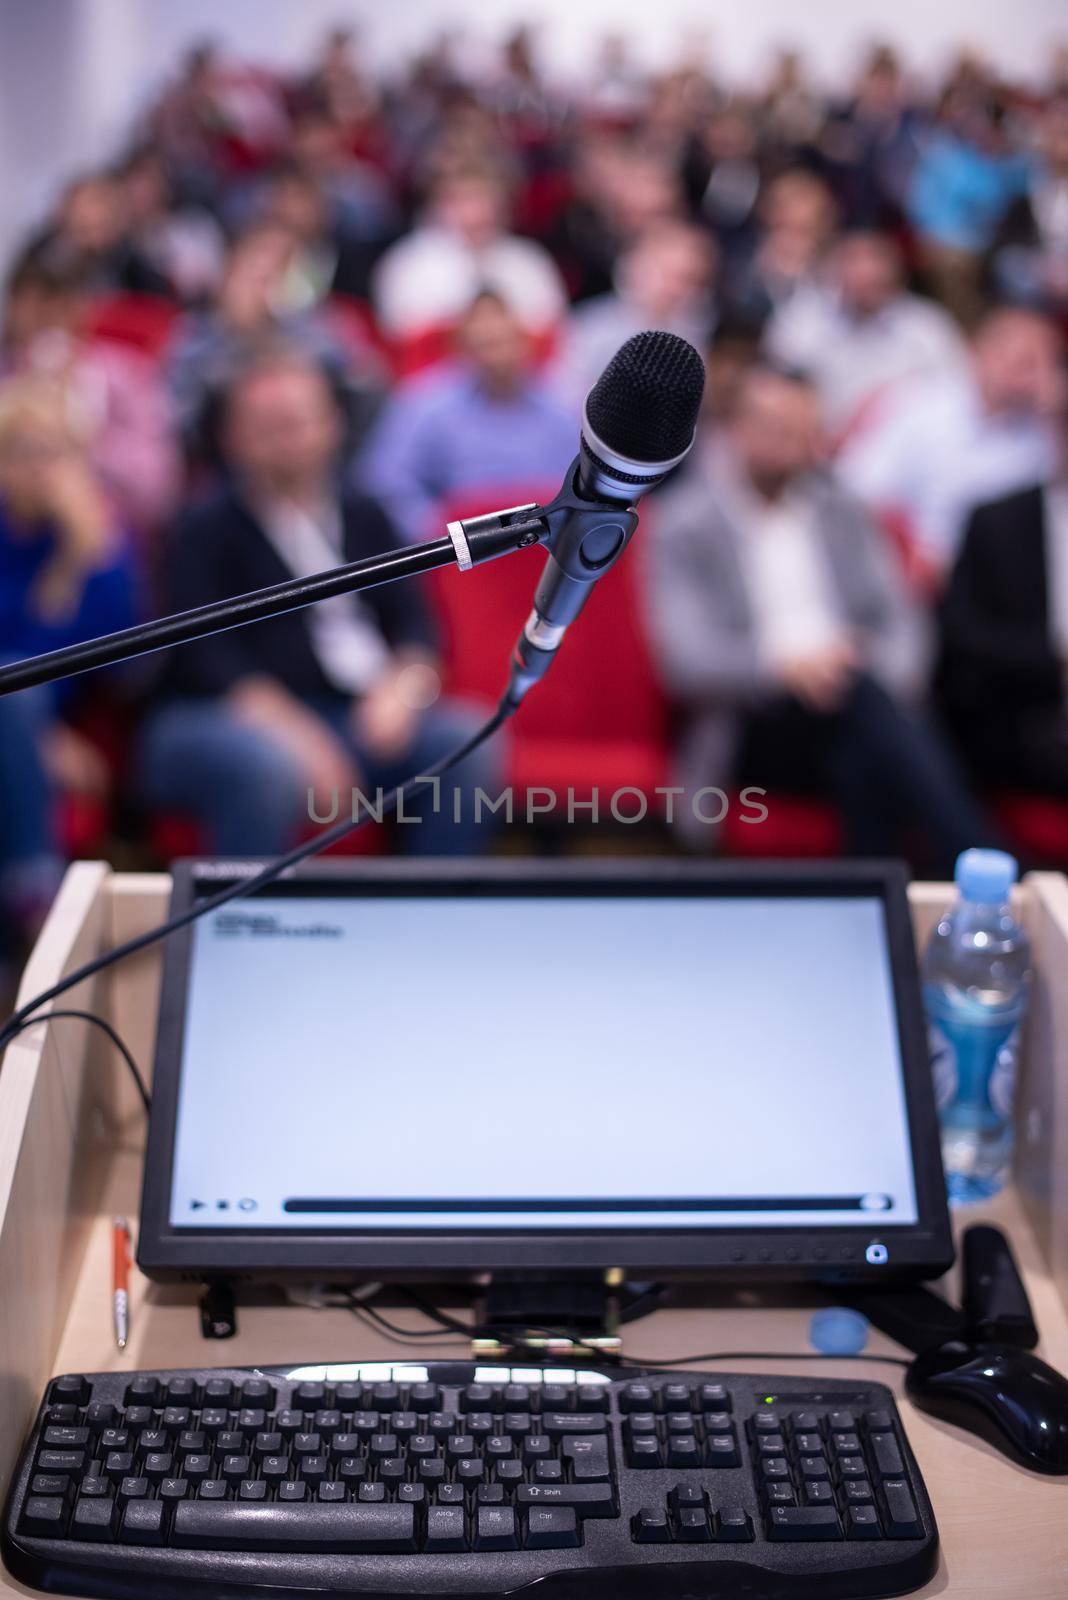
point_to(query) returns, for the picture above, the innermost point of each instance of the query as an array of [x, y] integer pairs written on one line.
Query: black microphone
[[638, 423]]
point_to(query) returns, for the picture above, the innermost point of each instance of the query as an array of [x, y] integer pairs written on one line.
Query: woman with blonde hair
[[65, 576]]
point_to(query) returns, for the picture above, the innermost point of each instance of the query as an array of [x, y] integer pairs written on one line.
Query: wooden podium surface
[[71, 1137]]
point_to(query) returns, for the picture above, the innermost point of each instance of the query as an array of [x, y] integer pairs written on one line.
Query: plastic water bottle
[[976, 979]]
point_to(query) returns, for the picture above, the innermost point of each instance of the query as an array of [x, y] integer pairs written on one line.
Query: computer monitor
[[378, 1069]]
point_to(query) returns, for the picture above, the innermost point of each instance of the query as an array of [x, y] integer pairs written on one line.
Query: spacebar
[[235, 1525]]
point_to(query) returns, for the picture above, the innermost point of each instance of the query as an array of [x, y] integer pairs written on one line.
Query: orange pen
[[120, 1279]]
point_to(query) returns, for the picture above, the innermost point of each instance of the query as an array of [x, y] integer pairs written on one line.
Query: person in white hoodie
[[428, 279]]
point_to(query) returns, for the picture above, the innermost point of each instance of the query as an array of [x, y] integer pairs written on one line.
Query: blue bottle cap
[[838, 1331], [986, 876]]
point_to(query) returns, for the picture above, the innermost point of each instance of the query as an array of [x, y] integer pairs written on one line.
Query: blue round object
[[837, 1331], [986, 876]]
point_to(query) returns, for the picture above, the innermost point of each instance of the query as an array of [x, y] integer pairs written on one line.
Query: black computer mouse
[[1007, 1396]]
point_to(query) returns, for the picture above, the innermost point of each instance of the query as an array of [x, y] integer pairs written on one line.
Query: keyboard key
[[66, 1438], [142, 1522], [70, 1462], [805, 1422], [780, 1494], [803, 1522], [588, 1459], [842, 1422], [355, 1528], [857, 1491], [588, 1499], [637, 1397], [718, 1422], [93, 1520], [477, 1397], [52, 1483], [818, 1492], [590, 1397], [675, 1397], [445, 1528], [887, 1456], [44, 1516], [775, 1469], [862, 1522], [650, 1526], [808, 1444], [423, 1397], [72, 1389], [902, 1519], [733, 1525], [495, 1528], [214, 1489], [143, 1391], [851, 1467], [692, 1526], [555, 1422], [713, 1397], [878, 1421], [552, 1528], [813, 1467], [845, 1444], [252, 1489], [683, 1450]]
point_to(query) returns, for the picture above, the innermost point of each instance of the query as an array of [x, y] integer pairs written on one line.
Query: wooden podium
[[71, 1148]]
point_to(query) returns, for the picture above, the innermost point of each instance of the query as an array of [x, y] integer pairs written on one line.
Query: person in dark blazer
[[1004, 642], [265, 729]]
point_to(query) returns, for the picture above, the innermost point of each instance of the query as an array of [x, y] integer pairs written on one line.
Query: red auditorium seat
[[140, 320], [1037, 825], [599, 719], [794, 826]]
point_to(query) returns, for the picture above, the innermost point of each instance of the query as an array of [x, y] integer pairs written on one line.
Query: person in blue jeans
[[263, 731], [65, 576]]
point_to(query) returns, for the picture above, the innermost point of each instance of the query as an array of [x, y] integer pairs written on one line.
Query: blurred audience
[[1030, 249], [65, 576], [858, 332], [783, 629], [183, 243], [945, 442], [115, 389], [462, 245], [1003, 675], [257, 722], [797, 221], [287, 290], [664, 280], [89, 233], [251, 307], [966, 177], [487, 422]]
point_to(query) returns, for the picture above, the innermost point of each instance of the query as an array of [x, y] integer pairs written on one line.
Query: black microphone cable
[[21, 1018]]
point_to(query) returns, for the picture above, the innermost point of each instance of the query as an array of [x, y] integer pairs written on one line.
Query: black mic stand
[[470, 543]]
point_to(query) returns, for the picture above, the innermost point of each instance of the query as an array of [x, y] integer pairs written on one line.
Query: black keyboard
[[453, 1479]]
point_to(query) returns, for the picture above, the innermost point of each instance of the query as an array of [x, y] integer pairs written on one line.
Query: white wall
[[72, 72]]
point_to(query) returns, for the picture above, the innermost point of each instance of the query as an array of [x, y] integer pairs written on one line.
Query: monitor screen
[[509, 1062]]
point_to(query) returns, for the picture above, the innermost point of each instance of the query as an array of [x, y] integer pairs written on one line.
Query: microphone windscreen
[[645, 403]]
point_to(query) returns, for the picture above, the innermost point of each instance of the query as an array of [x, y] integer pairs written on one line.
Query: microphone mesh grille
[[645, 403]]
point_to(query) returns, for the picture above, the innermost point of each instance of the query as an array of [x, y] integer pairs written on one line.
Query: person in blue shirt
[[483, 423], [65, 576], [966, 178]]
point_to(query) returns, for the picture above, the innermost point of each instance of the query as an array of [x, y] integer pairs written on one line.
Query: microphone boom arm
[[470, 543]]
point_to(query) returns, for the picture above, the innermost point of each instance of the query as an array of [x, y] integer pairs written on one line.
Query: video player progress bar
[[817, 1202]]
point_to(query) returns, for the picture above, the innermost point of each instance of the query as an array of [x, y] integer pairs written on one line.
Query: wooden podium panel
[[71, 1149]]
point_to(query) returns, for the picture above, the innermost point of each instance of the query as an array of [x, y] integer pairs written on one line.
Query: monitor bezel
[[829, 1254]]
